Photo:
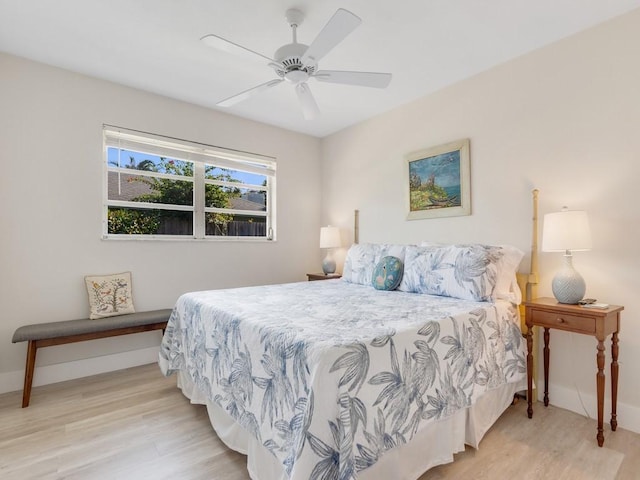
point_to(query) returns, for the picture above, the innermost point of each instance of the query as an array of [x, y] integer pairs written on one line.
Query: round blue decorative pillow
[[388, 274]]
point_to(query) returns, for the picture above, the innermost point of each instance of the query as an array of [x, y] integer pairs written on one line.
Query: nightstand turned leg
[[546, 367], [529, 371], [614, 380], [600, 390]]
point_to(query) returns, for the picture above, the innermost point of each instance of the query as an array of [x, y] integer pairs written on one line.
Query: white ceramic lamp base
[[328, 264], [568, 285]]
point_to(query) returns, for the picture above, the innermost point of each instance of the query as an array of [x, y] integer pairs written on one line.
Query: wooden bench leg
[[28, 372]]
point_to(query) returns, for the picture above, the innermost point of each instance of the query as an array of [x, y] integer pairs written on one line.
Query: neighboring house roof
[[124, 186], [240, 203]]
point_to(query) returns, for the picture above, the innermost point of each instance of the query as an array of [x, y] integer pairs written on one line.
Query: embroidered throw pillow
[[387, 274], [109, 295]]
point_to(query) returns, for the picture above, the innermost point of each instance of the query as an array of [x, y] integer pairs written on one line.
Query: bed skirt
[[431, 446]]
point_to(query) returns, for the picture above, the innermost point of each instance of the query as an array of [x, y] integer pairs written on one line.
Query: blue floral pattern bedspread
[[330, 375]]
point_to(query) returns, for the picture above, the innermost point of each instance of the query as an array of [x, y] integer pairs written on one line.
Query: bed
[[341, 380]]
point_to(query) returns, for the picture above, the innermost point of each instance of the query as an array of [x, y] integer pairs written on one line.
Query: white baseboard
[[586, 404], [60, 372]]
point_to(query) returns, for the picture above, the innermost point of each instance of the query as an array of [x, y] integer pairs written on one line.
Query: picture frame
[[438, 182]]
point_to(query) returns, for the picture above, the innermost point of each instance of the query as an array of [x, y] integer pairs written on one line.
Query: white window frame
[[200, 155]]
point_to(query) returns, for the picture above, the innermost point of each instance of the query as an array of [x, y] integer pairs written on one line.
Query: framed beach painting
[[438, 181]]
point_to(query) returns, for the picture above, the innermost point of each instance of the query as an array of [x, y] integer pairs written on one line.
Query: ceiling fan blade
[[363, 79], [228, 46], [309, 106], [337, 28], [227, 102]]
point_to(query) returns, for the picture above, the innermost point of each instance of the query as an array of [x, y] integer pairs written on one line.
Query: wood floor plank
[[135, 424]]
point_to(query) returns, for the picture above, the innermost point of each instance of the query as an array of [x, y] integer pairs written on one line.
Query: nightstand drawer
[[563, 321], [322, 276]]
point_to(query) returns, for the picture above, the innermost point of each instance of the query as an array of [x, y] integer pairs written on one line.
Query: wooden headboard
[[528, 282], [356, 226]]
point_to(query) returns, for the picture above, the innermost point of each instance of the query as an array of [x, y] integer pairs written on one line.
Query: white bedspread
[[330, 376]]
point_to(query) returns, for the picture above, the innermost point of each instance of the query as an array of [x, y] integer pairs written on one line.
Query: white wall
[[564, 119], [50, 213]]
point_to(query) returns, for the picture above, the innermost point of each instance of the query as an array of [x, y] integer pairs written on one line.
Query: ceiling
[[155, 45]]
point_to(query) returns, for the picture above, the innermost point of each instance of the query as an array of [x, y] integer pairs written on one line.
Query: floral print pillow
[[360, 262], [508, 260], [468, 272], [109, 295], [362, 259]]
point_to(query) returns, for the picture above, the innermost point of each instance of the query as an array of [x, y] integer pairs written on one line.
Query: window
[[161, 187]]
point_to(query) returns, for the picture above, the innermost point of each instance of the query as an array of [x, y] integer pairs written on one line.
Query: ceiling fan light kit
[[296, 63]]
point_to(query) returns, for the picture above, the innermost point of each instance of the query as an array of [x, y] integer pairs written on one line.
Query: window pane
[[153, 183], [227, 175], [226, 225], [138, 188], [236, 198], [148, 162], [138, 221]]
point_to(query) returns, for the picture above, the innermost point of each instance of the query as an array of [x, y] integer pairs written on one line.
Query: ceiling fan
[[295, 63]]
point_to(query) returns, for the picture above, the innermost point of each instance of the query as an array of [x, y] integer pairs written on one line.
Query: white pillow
[[109, 295], [515, 294], [508, 264]]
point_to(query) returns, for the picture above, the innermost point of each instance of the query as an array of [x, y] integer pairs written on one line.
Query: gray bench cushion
[[41, 331]]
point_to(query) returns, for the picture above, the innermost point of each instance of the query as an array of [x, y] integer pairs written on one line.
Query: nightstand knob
[[560, 320]]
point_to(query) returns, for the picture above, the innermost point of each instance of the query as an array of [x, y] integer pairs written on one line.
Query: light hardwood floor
[[135, 424]]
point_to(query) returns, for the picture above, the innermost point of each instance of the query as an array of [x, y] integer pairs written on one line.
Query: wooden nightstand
[[322, 276], [548, 313]]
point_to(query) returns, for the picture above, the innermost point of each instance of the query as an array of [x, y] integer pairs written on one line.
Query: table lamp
[[329, 239], [567, 231]]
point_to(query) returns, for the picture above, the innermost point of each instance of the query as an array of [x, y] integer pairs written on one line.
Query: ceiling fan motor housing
[[290, 56]]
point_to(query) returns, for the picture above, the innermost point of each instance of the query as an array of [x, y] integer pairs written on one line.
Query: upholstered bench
[[57, 333]]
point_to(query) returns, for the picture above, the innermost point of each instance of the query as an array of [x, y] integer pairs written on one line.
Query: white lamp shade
[[329, 237], [566, 230]]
